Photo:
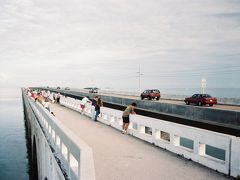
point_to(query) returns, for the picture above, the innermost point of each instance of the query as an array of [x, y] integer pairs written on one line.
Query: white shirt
[[84, 100]]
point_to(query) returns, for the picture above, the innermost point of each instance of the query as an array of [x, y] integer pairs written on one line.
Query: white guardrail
[[75, 156], [217, 151]]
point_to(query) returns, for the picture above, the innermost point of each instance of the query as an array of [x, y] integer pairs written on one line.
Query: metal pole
[[139, 79], [203, 85]]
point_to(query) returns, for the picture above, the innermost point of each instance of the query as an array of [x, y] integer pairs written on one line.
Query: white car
[[93, 90]]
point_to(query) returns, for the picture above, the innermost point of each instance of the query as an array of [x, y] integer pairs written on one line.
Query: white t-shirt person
[[83, 103]]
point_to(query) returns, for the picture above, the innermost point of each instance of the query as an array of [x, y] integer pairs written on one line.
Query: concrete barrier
[[235, 157], [226, 101]]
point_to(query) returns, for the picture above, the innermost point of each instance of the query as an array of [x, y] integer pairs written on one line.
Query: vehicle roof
[[90, 88], [202, 94], [151, 90]]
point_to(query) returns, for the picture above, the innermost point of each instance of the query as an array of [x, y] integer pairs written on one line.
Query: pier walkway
[[124, 157]]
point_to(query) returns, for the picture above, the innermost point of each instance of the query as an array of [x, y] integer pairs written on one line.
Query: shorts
[[126, 119], [82, 106]]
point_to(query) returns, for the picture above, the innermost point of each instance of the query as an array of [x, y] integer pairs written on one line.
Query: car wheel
[[210, 104], [157, 98], [199, 103], [142, 98], [149, 98]]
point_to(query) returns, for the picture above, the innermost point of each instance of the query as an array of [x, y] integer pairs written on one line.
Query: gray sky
[[101, 43]]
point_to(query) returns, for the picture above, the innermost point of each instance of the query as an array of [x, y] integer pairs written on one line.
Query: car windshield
[[195, 95]]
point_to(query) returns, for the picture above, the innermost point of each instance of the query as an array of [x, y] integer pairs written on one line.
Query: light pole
[[203, 85], [139, 74]]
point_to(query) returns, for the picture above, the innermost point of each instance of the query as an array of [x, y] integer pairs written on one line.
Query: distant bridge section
[[223, 101]]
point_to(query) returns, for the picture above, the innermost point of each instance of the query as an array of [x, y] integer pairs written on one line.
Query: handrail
[[75, 156]]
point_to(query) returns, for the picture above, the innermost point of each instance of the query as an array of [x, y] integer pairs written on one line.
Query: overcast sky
[[79, 43]]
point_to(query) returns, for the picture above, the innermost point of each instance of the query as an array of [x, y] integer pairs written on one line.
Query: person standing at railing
[[99, 104], [54, 97], [94, 102], [29, 92], [83, 103], [46, 104], [129, 110], [39, 98], [58, 98]]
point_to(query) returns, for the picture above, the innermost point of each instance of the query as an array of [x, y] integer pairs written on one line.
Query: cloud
[[75, 42]]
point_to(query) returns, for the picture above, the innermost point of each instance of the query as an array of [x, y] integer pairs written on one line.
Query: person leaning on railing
[[129, 110], [83, 103]]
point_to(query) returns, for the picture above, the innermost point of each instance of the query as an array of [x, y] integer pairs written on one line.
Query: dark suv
[[151, 94], [201, 99]]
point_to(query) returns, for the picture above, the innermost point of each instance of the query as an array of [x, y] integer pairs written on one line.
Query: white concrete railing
[[75, 105], [76, 157], [171, 136], [48, 167]]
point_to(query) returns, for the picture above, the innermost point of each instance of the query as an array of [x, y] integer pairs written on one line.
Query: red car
[[201, 99], [151, 94]]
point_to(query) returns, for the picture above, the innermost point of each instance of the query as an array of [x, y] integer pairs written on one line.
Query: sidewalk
[[123, 157]]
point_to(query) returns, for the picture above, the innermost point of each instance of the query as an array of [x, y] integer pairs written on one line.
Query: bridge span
[[118, 156], [85, 149]]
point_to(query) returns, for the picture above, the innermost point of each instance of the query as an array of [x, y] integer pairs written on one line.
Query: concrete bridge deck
[[123, 157]]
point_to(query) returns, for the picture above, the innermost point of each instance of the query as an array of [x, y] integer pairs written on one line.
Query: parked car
[[58, 87], [201, 99], [151, 94], [67, 88]]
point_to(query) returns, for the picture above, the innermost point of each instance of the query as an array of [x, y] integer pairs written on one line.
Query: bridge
[[72, 146]]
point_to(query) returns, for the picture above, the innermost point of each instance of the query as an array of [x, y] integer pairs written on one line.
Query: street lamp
[[203, 85], [139, 74]]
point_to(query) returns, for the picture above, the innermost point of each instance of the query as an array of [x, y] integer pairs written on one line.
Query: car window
[[207, 96], [194, 96]]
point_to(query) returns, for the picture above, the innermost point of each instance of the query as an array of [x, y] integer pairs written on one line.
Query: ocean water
[[14, 163]]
